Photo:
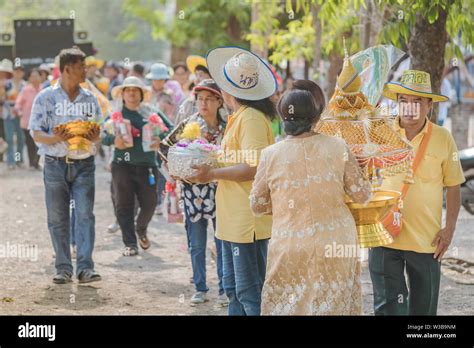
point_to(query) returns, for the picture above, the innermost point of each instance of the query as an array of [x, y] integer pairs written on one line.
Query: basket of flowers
[[191, 149]]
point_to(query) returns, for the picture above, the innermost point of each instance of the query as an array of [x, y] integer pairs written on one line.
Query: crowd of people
[[287, 201]]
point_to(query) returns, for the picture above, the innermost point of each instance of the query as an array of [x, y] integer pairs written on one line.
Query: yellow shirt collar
[[231, 118], [401, 130], [238, 112]]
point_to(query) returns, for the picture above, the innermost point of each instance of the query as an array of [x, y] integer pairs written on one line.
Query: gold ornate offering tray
[[78, 146]]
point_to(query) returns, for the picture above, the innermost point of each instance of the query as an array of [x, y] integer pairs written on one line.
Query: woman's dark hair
[[180, 65], [70, 56], [34, 70], [299, 111], [139, 68], [266, 106], [313, 88], [203, 69]]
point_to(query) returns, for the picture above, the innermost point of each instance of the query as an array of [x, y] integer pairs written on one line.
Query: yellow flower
[[191, 131]]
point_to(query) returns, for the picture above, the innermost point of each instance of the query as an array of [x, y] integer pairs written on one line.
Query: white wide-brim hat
[[131, 81], [241, 73], [6, 66]]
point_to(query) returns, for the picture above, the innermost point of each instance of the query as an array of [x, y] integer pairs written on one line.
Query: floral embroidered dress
[[199, 199], [303, 183]]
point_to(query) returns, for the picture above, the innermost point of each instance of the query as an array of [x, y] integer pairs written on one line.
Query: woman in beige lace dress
[[302, 181]]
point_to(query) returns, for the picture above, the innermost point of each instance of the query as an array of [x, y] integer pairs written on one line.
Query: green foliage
[[296, 38], [295, 41], [267, 23], [198, 24], [402, 17]]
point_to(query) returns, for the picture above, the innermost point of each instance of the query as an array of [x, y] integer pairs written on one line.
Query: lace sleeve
[[260, 199], [358, 188]]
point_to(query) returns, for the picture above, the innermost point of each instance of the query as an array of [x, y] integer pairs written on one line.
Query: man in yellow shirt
[[422, 241], [246, 83]]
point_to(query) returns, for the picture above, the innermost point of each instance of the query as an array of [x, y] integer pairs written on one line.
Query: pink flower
[[155, 120], [116, 116], [200, 141]]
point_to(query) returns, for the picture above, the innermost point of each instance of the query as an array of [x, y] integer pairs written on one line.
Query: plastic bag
[[374, 65]]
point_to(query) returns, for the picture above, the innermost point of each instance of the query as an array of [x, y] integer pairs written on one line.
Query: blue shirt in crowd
[[52, 107]]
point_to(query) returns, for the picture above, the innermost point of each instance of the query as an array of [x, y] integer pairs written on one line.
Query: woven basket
[[180, 160]]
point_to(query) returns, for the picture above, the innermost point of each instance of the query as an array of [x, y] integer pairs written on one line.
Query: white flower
[[196, 191]]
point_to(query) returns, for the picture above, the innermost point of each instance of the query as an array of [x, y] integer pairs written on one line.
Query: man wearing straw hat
[[66, 177], [422, 241]]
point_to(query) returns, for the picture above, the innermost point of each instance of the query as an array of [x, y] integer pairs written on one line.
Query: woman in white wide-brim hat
[[246, 83]]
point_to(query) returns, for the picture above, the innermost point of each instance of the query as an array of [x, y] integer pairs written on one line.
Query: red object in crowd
[[56, 73], [170, 187], [116, 116], [135, 132], [156, 120], [278, 77]]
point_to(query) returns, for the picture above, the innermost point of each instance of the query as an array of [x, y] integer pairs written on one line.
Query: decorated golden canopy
[[368, 132], [380, 150]]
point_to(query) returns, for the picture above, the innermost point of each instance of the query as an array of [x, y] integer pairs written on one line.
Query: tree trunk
[[259, 51], [317, 44], [179, 54], [426, 47], [366, 25], [335, 65], [233, 30], [378, 18]]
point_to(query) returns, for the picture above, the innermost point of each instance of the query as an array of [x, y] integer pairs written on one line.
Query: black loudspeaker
[[40, 40], [87, 48], [6, 52]]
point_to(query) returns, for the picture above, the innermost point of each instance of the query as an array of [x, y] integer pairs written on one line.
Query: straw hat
[[193, 61], [241, 73], [6, 66], [413, 82], [91, 60], [131, 81]]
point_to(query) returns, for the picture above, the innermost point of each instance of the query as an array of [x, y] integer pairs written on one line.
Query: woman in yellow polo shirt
[[246, 83]]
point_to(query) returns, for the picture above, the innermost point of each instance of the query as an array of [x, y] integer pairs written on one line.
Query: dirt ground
[[155, 282]]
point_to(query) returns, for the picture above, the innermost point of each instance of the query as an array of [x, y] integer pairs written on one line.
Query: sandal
[[88, 275], [130, 251], [144, 242], [62, 277]]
